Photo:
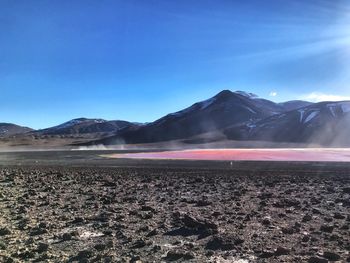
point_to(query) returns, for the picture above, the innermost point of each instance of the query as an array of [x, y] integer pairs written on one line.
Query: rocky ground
[[57, 214]]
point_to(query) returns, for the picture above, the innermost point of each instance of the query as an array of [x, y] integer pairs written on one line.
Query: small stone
[[42, 247], [216, 214], [328, 219], [66, 236], [316, 211], [143, 228], [85, 254], [266, 254], [147, 208], [78, 220], [266, 222], [139, 244], [135, 259], [345, 227], [156, 248], [327, 228], [38, 231], [26, 255], [4, 231], [23, 223], [100, 247], [2, 245], [194, 226], [8, 259], [317, 260], [280, 251], [288, 230], [22, 209], [223, 243], [339, 216], [334, 237], [177, 255], [346, 190], [203, 203], [307, 218], [191, 222], [152, 233], [42, 225], [331, 256], [305, 238], [209, 253], [107, 232], [29, 241]]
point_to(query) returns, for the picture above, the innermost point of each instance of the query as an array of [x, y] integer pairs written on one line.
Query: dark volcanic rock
[[346, 190], [223, 243], [327, 228], [139, 244], [192, 222], [331, 256], [83, 254], [317, 260], [66, 236], [266, 254], [177, 255], [307, 218], [339, 216], [192, 226], [42, 247], [78, 220], [4, 231], [280, 251], [38, 231], [100, 247], [26, 255]]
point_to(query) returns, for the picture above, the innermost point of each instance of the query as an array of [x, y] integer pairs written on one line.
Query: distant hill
[[84, 126], [7, 129]]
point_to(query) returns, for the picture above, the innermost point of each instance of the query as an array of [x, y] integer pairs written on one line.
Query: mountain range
[[238, 116]]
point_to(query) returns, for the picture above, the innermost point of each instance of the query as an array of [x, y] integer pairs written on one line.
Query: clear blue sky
[[139, 60]]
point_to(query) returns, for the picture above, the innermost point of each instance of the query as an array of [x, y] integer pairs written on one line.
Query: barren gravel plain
[[80, 207]]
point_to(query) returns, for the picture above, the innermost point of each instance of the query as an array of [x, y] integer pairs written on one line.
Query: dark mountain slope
[[83, 126], [325, 123], [294, 104], [7, 129], [223, 110]]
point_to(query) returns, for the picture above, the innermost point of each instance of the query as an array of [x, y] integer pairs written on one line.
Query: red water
[[325, 155]]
